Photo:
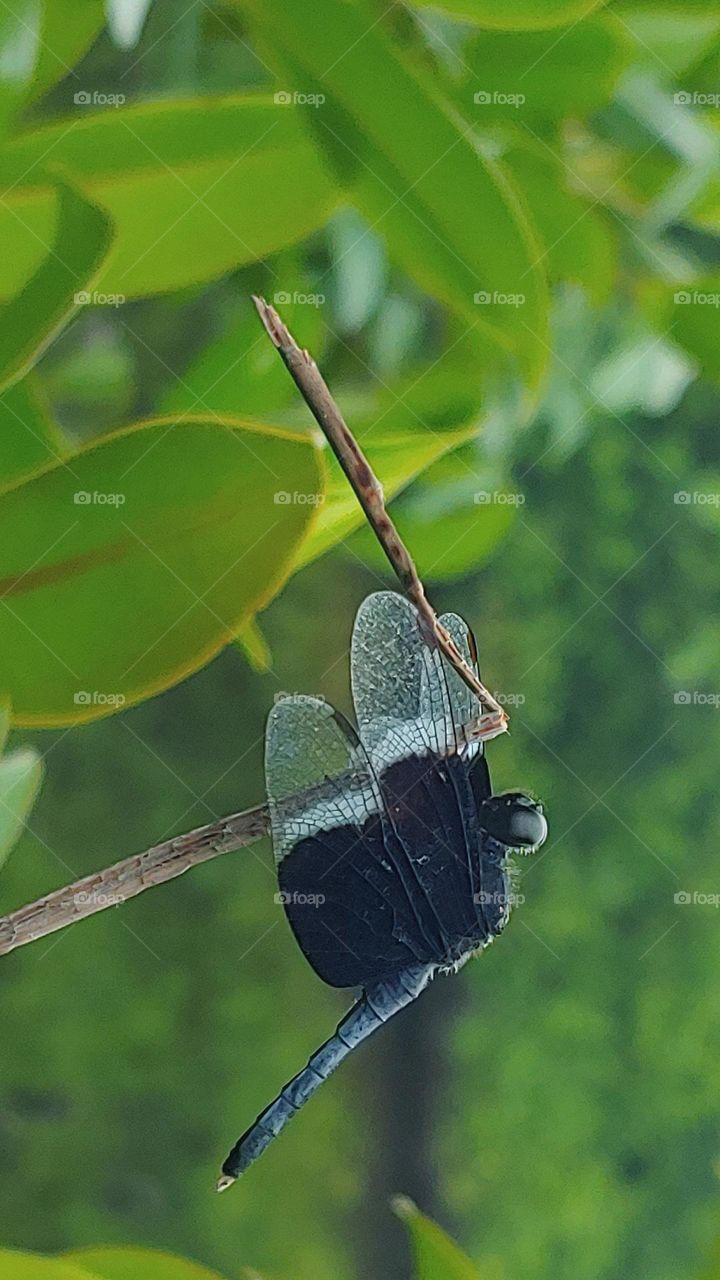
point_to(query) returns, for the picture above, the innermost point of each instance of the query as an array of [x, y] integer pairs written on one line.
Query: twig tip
[[272, 323], [223, 1183]]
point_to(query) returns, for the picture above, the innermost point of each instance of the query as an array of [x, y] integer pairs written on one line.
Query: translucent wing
[[408, 699], [316, 772], [342, 895]]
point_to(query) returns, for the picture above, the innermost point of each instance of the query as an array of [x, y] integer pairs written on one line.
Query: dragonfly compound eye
[[514, 820]]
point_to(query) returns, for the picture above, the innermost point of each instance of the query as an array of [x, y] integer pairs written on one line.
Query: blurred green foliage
[[497, 227]]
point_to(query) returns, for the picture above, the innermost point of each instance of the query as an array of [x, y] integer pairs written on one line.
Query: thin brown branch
[[126, 879], [368, 491], [172, 857]]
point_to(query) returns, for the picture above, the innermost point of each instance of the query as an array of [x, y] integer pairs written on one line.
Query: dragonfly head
[[514, 820]]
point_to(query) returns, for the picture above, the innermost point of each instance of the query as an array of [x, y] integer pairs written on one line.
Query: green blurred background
[[556, 1105]]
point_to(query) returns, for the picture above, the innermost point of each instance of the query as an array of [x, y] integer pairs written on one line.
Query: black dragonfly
[[392, 852]]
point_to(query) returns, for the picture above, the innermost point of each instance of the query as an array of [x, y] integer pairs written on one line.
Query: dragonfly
[[392, 852]]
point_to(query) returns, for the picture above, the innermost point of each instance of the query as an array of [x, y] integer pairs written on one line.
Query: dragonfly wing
[[343, 898], [408, 699], [414, 715]]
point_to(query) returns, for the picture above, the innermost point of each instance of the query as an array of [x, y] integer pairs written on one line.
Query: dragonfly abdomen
[[374, 1008]]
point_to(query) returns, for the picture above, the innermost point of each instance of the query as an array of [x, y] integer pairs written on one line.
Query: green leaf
[[194, 188], [132, 564], [448, 213], [453, 518], [127, 1263], [555, 77], [252, 643], [19, 45], [239, 372], [712, 1271], [68, 29], [28, 438], [436, 1256], [516, 15], [31, 320], [20, 777], [32, 1266], [580, 242], [694, 311], [669, 35], [402, 436]]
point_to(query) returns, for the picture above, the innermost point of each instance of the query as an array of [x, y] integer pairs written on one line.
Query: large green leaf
[[452, 517], [28, 438], [83, 233], [20, 777], [194, 187], [238, 372], [131, 565], [554, 77], [435, 1255], [127, 1263], [32, 1266], [403, 432], [693, 317], [20, 22], [580, 243], [449, 214], [516, 15], [67, 31]]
